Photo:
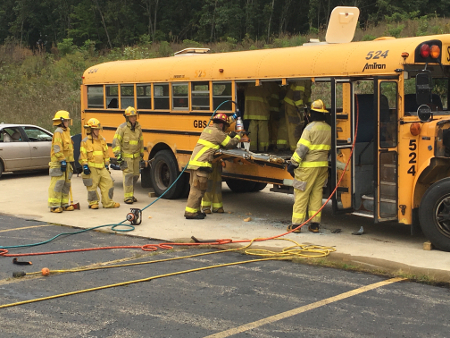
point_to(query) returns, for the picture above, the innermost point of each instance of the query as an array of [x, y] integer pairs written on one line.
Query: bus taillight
[[428, 51]]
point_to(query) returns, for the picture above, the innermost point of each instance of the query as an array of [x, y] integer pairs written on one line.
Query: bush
[[66, 47]]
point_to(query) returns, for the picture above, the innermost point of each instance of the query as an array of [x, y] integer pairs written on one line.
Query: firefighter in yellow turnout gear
[[257, 111], [128, 147], [94, 159], [297, 98], [200, 165], [60, 168], [309, 167]]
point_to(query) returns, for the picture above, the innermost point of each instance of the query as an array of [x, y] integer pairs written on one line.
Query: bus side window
[[221, 93], [161, 96], [95, 96], [126, 96], [144, 96], [200, 95], [180, 96], [112, 94]]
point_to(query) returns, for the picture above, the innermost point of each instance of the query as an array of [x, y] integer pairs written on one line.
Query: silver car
[[24, 147]]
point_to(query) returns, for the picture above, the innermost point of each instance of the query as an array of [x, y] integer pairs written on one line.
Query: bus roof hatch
[[342, 24], [192, 51]]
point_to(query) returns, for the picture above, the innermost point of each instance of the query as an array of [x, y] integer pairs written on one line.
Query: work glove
[[86, 169], [107, 166], [119, 159], [63, 166], [232, 134], [291, 169]]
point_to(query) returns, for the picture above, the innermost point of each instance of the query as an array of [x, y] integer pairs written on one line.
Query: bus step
[[367, 214], [385, 200], [282, 188]]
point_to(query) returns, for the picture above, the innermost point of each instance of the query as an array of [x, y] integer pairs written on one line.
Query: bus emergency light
[[425, 51]]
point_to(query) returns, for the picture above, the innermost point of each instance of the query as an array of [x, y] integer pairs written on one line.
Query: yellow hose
[[297, 250]]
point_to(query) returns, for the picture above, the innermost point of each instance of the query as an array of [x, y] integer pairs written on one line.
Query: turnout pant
[[213, 195], [130, 176], [99, 178], [199, 182], [259, 135], [58, 192], [308, 184], [295, 124]]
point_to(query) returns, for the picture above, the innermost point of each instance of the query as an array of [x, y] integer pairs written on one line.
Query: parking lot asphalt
[[203, 292], [383, 248]]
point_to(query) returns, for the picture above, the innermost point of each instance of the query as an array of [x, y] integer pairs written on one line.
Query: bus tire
[[187, 187], [164, 171], [1, 168], [146, 180], [239, 186], [434, 214], [259, 186]]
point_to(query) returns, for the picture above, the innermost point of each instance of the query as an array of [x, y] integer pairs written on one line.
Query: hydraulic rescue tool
[[134, 216]]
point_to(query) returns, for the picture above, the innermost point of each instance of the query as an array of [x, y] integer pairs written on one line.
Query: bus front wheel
[[164, 171], [434, 214]]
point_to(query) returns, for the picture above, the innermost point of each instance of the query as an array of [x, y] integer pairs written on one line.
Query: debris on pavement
[[359, 232]]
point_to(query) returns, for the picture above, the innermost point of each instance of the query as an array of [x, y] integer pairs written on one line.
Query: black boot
[[314, 227], [198, 215]]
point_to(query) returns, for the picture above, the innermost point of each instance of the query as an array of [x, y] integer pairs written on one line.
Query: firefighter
[[297, 98], [128, 147], [95, 162], [309, 167], [274, 111], [257, 111], [60, 167], [200, 165]]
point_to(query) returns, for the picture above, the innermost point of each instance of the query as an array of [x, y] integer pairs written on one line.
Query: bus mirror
[[423, 88], [424, 113]]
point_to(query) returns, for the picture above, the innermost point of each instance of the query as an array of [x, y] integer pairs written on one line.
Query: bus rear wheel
[[240, 186], [434, 214], [164, 172]]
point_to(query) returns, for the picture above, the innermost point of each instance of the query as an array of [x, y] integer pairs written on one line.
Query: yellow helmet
[[93, 123], [319, 106], [130, 111], [60, 117]]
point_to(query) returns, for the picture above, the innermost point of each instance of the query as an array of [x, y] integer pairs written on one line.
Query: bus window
[[144, 96], [180, 96], [161, 95], [112, 95], [95, 96], [221, 93], [126, 96], [388, 114], [200, 96]]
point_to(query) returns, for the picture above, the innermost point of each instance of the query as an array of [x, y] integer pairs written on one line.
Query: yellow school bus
[[388, 101]]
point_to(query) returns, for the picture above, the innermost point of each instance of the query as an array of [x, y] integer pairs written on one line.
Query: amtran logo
[[374, 66]]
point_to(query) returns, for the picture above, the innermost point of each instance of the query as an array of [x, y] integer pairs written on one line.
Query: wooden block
[[151, 194], [428, 246]]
